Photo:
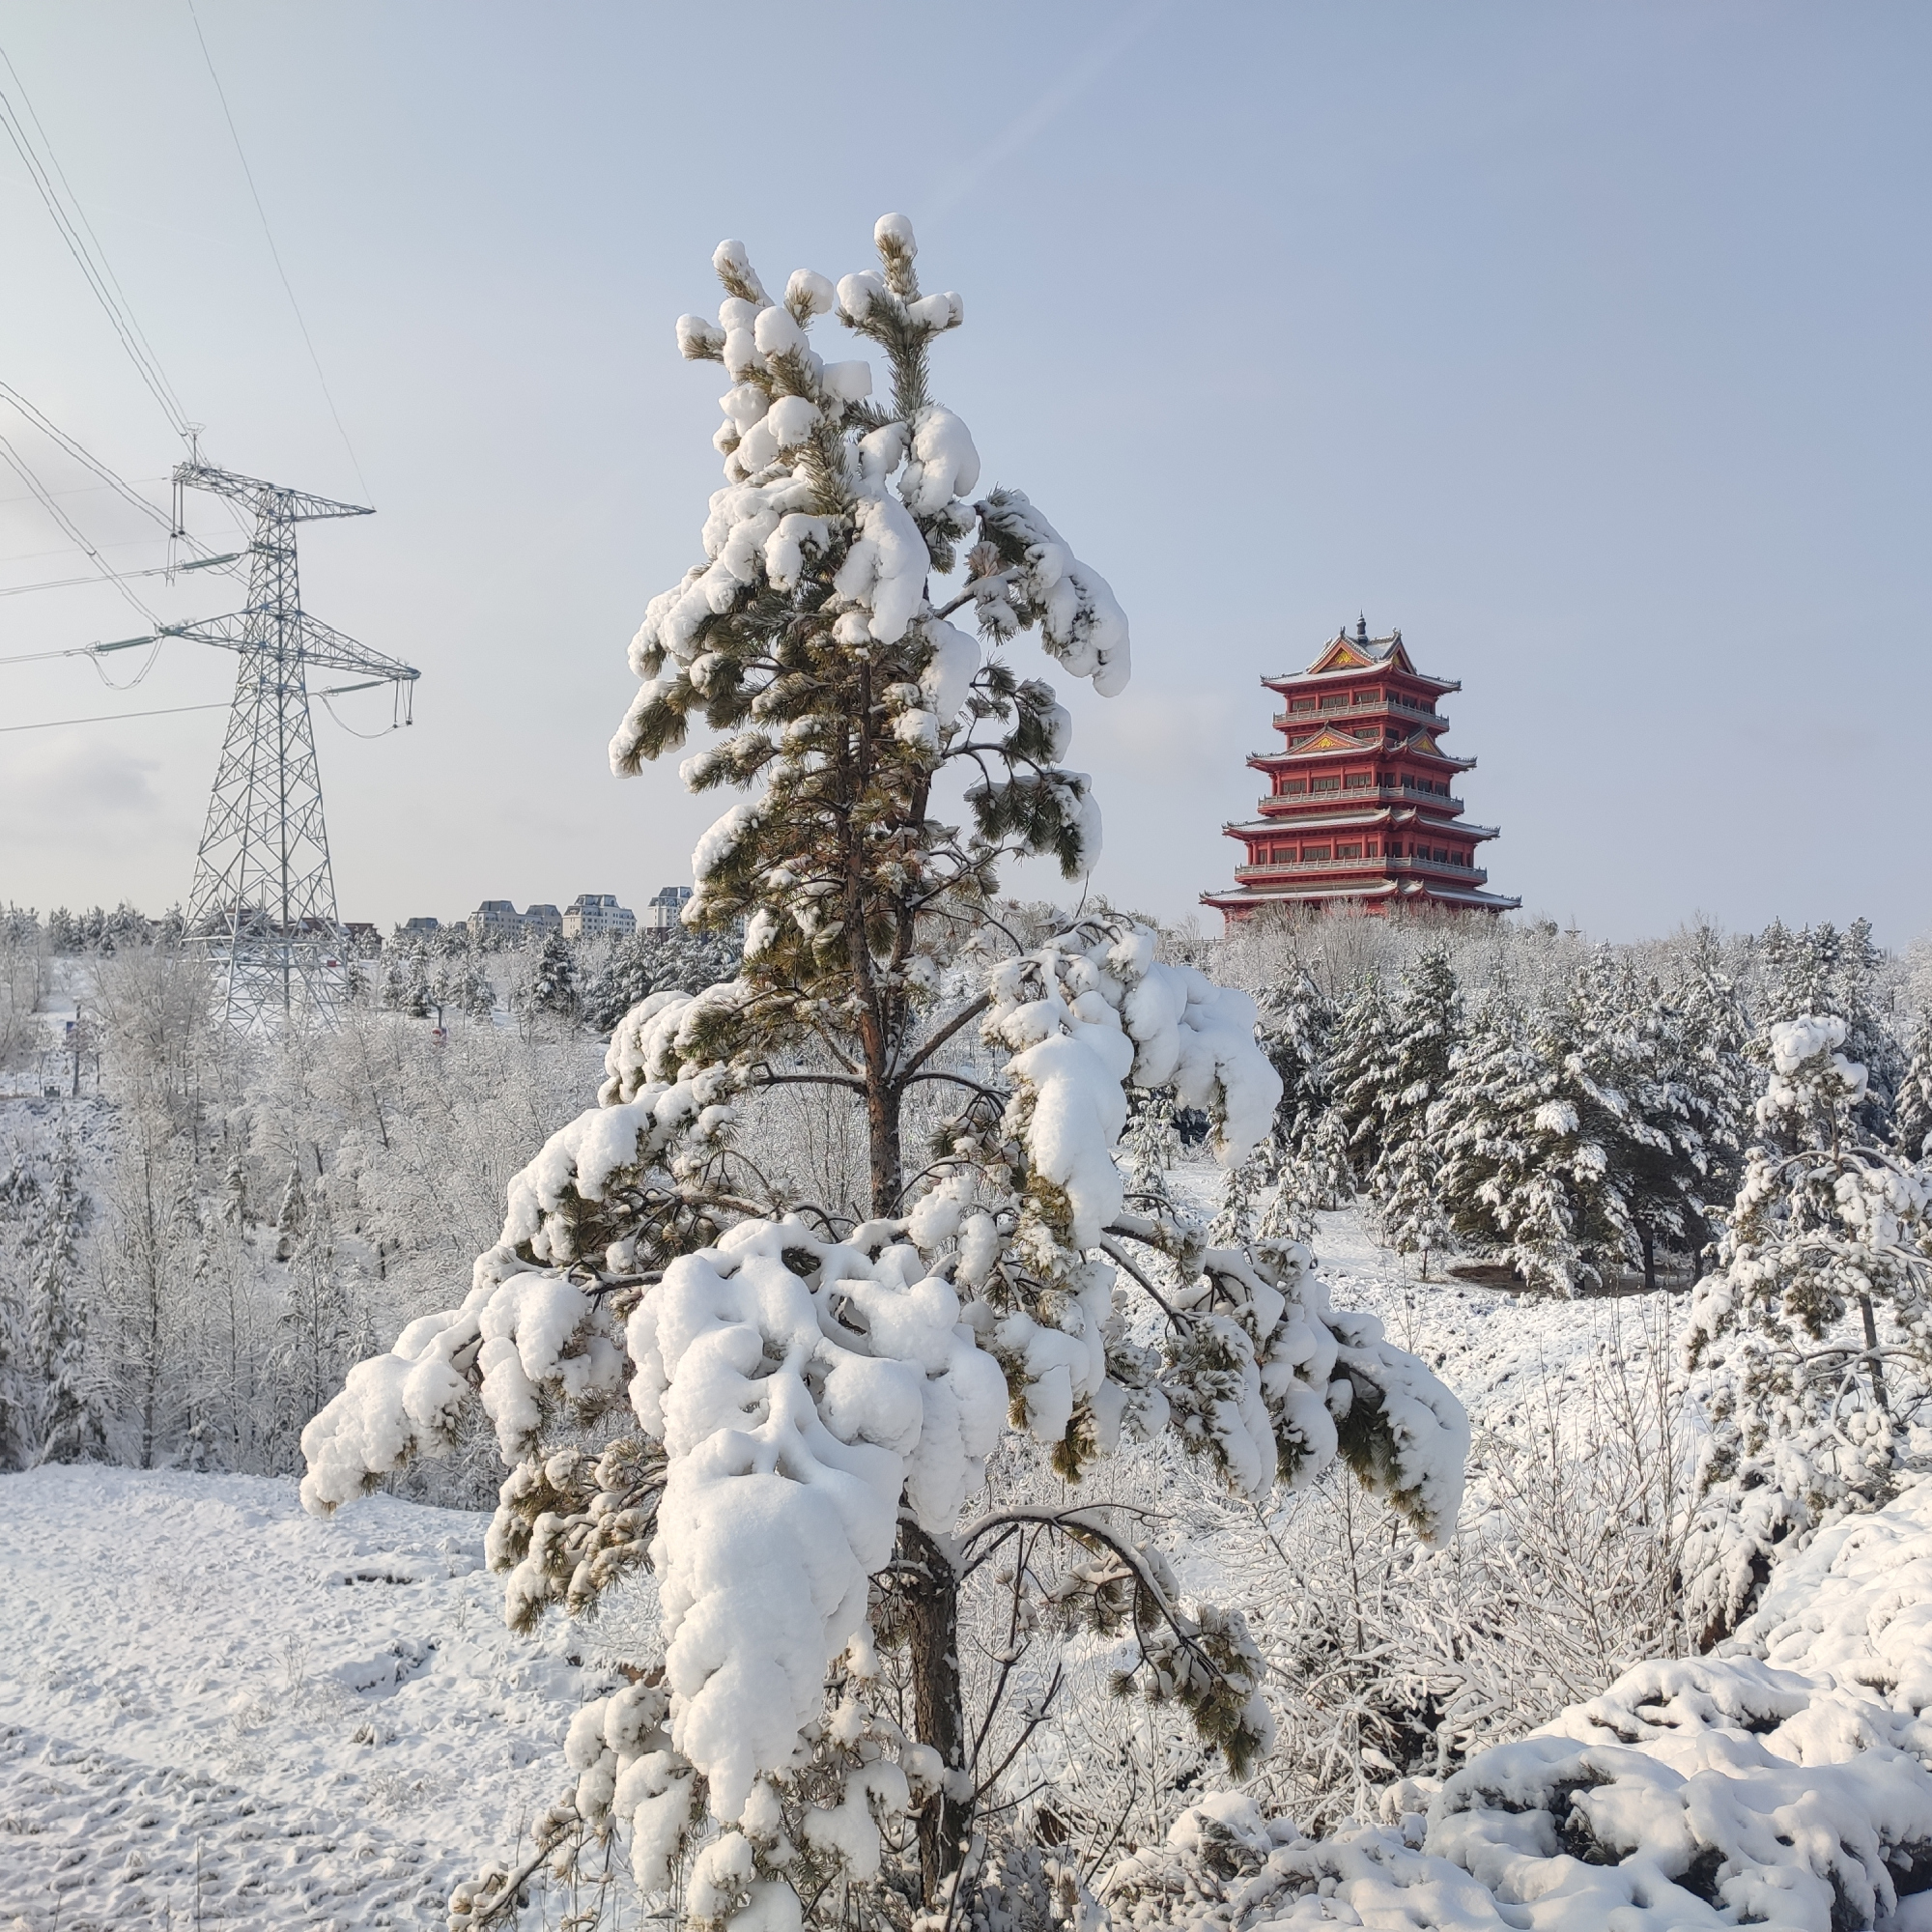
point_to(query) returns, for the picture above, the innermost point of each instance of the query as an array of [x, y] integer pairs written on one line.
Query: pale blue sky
[[1588, 344]]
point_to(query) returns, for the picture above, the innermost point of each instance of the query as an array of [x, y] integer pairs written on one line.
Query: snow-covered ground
[[219, 1712]]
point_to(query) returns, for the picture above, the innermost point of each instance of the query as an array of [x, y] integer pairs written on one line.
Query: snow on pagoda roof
[[1335, 821], [1435, 889], [1347, 652], [1325, 740], [1251, 896]]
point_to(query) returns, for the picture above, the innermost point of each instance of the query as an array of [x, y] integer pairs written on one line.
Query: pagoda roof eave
[[1335, 822], [1494, 901], [1261, 760], [1285, 679], [1371, 889]]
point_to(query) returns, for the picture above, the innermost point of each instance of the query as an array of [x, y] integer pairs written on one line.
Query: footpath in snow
[[217, 1712]]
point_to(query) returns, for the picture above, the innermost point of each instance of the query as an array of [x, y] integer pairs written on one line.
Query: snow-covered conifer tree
[[548, 987], [1297, 1032], [1913, 1127], [462, 986], [1811, 1343], [1821, 970], [405, 981], [1396, 1072], [1642, 1104], [1714, 1056], [651, 962], [19, 1194], [1360, 1071], [1511, 1148], [798, 1409], [59, 1414], [1149, 1147]]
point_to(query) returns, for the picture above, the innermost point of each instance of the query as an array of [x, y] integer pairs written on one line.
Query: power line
[[78, 490], [77, 650], [59, 437], [12, 459], [287, 288], [108, 717], [100, 254], [93, 264], [73, 582]]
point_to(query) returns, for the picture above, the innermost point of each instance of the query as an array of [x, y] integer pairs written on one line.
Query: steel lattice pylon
[[264, 897]]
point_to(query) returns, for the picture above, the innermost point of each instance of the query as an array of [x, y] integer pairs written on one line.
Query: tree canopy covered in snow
[[789, 1411]]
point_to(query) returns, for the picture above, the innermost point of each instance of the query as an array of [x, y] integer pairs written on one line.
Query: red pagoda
[[1361, 810]]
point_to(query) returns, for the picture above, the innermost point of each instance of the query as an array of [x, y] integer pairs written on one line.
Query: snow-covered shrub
[[1689, 1794]]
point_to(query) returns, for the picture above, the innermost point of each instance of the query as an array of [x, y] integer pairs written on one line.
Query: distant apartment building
[[420, 929], [590, 915], [663, 908], [542, 918], [494, 919]]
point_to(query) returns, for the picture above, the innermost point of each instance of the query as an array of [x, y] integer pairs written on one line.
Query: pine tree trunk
[[1648, 1244], [882, 1131], [1880, 1394], [938, 1713]]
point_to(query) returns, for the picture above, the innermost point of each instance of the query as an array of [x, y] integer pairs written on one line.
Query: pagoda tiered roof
[[1361, 653], [1360, 806]]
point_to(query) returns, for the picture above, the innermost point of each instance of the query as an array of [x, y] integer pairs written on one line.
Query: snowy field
[[217, 1712]]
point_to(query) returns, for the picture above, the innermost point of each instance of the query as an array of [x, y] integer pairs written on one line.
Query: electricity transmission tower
[[264, 897]]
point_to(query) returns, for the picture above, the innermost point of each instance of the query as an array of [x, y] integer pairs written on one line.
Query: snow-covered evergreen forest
[[1002, 1415]]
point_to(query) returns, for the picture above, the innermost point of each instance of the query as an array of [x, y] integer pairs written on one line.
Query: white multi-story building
[[591, 914], [493, 919], [542, 918], [663, 907]]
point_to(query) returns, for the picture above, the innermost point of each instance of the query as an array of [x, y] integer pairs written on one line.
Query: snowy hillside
[[216, 1711]]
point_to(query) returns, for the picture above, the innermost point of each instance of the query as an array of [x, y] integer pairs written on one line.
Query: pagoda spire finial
[[1362, 627]]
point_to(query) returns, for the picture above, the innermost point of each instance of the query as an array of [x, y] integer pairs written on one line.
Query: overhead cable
[[159, 571], [12, 457], [58, 436], [108, 717], [287, 288], [85, 248]]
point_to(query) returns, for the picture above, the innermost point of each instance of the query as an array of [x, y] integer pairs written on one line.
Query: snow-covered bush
[[788, 1412], [1785, 1784]]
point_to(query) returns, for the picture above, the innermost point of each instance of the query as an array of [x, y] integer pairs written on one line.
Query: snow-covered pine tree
[[462, 986], [1512, 1150], [651, 962], [405, 981], [810, 1403], [1811, 1343], [1409, 1215], [1638, 1103], [548, 987], [1360, 1070], [1149, 1148], [19, 1194], [1821, 970], [59, 1414], [1311, 1171], [1296, 1030], [1714, 1056], [1398, 1074], [1912, 1128]]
